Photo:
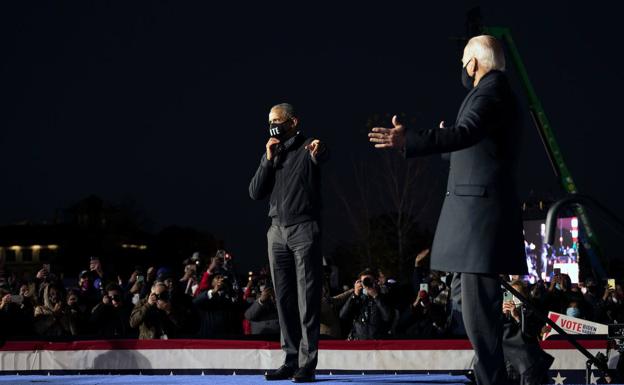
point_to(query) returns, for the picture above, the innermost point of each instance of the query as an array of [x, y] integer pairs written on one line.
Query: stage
[[244, 361], [230, 379]]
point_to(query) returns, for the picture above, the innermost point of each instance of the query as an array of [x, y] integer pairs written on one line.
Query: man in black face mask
[[479, 233], [290, 174]]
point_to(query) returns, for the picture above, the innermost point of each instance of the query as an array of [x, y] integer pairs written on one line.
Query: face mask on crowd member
[[573, 312]]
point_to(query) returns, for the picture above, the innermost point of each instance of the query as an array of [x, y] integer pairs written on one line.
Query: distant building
[[115, 233], [90, 228]]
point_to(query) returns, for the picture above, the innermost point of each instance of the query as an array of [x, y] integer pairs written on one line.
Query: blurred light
[[575, 222], [125, 246], [143, 247], [16, 248], [35, 247], [52, 247]]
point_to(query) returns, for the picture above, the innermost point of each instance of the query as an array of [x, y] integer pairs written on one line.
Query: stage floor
[[339, 379]]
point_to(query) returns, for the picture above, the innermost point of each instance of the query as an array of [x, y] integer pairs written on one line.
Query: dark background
[[166, 103]]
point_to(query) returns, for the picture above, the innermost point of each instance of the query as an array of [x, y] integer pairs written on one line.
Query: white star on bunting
[[593, 379], [559, 380]]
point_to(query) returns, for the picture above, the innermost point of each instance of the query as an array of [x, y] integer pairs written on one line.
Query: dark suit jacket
[[480, 227]]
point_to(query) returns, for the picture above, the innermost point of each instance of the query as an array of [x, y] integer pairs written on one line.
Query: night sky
[[166, 103]]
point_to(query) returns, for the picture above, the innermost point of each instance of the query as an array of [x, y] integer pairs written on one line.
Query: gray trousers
[[296, 263]]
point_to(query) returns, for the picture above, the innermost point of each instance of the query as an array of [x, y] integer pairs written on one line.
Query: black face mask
[[279, 130], [467, 80]]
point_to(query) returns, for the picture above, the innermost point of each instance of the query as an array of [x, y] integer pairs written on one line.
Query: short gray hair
[[287, 108], [487, 50]]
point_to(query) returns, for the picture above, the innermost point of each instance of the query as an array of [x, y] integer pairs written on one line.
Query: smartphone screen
[[557, 270], [425, 287], [611, 283], [46, 267], [507, 296]]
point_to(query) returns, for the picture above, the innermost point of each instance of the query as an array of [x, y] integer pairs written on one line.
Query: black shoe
[[304, 375], [538, 374], [283, 373]]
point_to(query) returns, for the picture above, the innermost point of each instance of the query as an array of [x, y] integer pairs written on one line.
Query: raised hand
[[357, 287], [315, 147], [270, 147], [389, 137]]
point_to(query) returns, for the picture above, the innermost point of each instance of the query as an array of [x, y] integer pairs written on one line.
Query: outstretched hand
[[389, 137]]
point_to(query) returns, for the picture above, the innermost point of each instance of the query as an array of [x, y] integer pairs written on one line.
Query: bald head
[[487, 51]]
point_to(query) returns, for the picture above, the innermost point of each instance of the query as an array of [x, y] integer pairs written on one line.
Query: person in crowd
[[78, 311], [220, 264], [150, 279], [135, 285], [219, 309], [205, 283], [16, 314], [99, 279], [262, 314], [559, 293], [181, 301], [53, 318], [330, 311], [189, 281], [88, 294], [423, 318], [111, 317], [611, 309], [371, 317], [155, 316], [524, 356], [591, 297]]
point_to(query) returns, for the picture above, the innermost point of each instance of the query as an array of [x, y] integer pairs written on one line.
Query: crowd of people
[[216, 302]]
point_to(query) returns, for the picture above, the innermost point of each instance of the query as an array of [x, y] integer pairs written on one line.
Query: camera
[[164, 296], [367, 282]]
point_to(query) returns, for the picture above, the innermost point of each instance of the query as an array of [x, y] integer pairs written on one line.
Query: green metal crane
[[589, 239]]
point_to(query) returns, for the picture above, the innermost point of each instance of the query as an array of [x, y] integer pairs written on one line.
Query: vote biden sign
[[573, 325]]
